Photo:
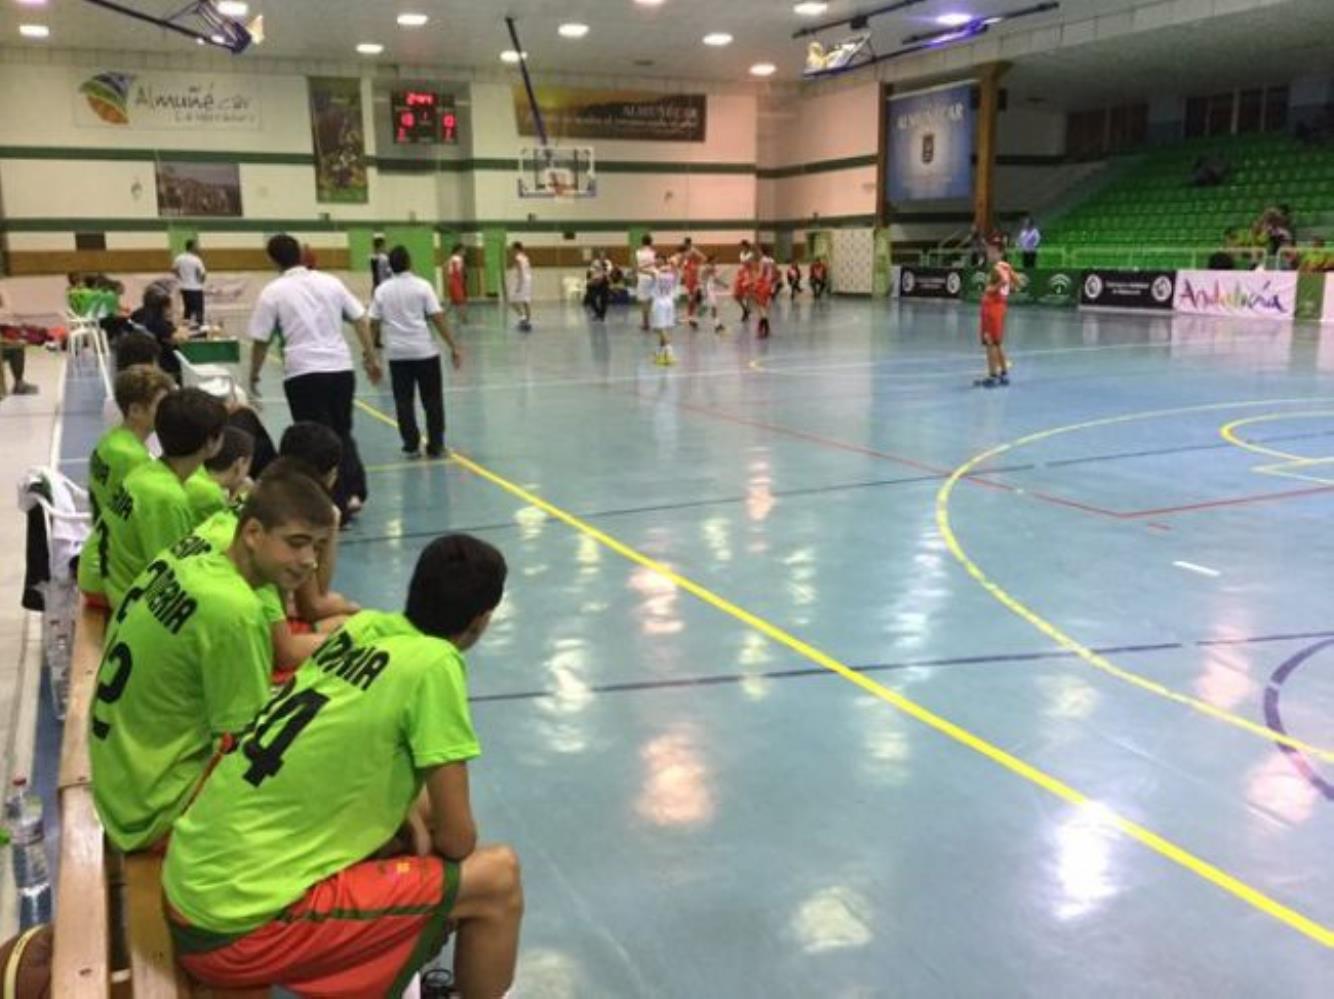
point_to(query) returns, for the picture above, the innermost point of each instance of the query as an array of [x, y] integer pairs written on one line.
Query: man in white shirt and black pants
[[307, 309], [403, 310], [189, 270]]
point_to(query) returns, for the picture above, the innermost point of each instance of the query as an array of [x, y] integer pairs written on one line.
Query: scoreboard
[[423, 117]]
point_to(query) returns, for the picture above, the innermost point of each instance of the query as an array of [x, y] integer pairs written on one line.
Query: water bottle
[[23, 816]]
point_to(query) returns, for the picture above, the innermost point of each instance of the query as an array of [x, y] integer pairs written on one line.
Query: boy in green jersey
[[188, 659], [151, 510], [215, 485], [284, 870], [137, 391]]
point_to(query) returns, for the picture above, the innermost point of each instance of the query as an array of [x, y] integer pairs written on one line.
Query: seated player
[[151, 510], [120, 450], [326, 778], [188, 659], [220, 479], [317, 606]]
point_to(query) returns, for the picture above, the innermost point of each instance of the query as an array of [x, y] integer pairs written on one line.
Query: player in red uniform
[[743, 282], [458, 284], [1000, 282], [689, 260]]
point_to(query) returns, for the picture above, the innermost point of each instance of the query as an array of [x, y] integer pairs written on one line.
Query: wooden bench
[[99, 894]]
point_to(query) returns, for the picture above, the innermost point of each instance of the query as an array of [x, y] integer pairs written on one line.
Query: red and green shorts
[[365, 931]]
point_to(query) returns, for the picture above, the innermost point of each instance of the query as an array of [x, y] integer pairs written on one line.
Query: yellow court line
[[1163, 847], [1229, 433], [397, 466], [1062, 638]]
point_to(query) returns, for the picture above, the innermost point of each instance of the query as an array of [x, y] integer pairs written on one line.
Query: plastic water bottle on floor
[[23, 816]]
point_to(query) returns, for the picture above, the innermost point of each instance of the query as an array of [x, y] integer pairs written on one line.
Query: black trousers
[[1030, 259], [17, 359], [192, 305], [408, 378], [597, 296], [326, 397]]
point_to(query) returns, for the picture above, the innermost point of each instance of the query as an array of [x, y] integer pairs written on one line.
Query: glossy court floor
[[822, 673]]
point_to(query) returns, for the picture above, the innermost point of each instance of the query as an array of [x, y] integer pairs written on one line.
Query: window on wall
[[1250, 111], [1086, 132], [1104, 130], [1128, 126], [1196, 112], [1219, 116]]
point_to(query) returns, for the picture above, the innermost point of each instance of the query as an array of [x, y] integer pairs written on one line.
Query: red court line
[[1227, 501]]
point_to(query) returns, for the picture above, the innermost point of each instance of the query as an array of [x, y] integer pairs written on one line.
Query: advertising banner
[[931, 282], [1327, 313], [1312, 297], [1059, 288], [929, 145], [1148, 290], [638, 115], [339, 137], [1249, 294], [153, 101]]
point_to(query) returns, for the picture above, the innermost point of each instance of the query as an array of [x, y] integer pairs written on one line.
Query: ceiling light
[[412, 20], [649, 3], [810, 8], [370, 48], [763, 69], [953, 20], [217, 39], [32, 3], [34, 30], [233, 8], [718, 39], [572, 30], [510, 56]]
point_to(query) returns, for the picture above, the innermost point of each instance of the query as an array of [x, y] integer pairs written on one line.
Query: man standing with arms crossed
[[308, 308]]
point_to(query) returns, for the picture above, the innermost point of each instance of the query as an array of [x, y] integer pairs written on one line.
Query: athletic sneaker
[[525, 326], [24, 388], [988, 382], [436, 454], [720, 329], [1004, 379]]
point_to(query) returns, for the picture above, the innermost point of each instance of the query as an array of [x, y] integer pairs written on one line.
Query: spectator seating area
[[1152, 215]]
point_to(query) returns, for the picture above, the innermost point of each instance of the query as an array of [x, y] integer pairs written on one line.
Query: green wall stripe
[[150, 155], [822, 166], [450, 225]]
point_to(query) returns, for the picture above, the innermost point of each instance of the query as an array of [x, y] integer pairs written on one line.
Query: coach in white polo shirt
[[307, 309], [403, 310]]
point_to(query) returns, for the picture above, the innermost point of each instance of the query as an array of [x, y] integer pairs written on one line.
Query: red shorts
[[993, 322], [97, 601], [365, 931], [299, 626], [457, 296], [763, 293]]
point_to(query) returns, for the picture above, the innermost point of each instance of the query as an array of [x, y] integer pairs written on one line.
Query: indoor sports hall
[[908, 428]]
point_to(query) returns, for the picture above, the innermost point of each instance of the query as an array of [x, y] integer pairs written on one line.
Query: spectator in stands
[[190, 659], [1030, 238], [1209, 171], [977, 247], [155, 318], [1273, 229], [1315, 259], [382, 715], [819, 277]]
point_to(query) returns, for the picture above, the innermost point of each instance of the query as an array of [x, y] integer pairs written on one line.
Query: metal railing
[[1127, 257]]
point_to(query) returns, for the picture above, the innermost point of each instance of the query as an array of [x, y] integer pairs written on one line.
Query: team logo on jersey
[[1093, 287], [1162, 289], [108, 94], [928, 148]]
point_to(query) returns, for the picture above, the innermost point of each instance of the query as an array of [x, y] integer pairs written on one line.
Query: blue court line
[[720, 679]]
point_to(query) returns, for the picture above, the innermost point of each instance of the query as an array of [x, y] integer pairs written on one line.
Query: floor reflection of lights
[[677, 784], [1085, 879], [834, 918]]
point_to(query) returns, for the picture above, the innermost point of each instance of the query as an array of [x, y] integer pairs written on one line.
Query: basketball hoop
[[563, 172]]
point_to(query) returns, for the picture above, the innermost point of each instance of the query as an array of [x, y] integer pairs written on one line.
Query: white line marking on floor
[[1203, 570]]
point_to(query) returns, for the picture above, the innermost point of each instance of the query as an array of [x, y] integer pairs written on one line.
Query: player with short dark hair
[[1001, 280], [219, 480], [151, 510], [331, 772], [188, 658]]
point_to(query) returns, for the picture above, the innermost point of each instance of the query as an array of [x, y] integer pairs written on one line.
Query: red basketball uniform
[[994, 304], [458, 291]]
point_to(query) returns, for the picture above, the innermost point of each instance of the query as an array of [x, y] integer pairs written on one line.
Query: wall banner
[[1149, 290], [931, 282], [153, 101], [1250, 294], [339, 138], [636, 115], [929, 145]]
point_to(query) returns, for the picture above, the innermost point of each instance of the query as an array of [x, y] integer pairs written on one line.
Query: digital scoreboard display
[[423, 117]]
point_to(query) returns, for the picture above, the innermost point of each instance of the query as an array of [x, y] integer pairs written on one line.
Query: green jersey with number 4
[[188, 660], [324, 776]]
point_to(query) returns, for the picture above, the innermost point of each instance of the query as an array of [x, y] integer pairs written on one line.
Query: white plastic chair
[[215, 379], [86, 332]]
